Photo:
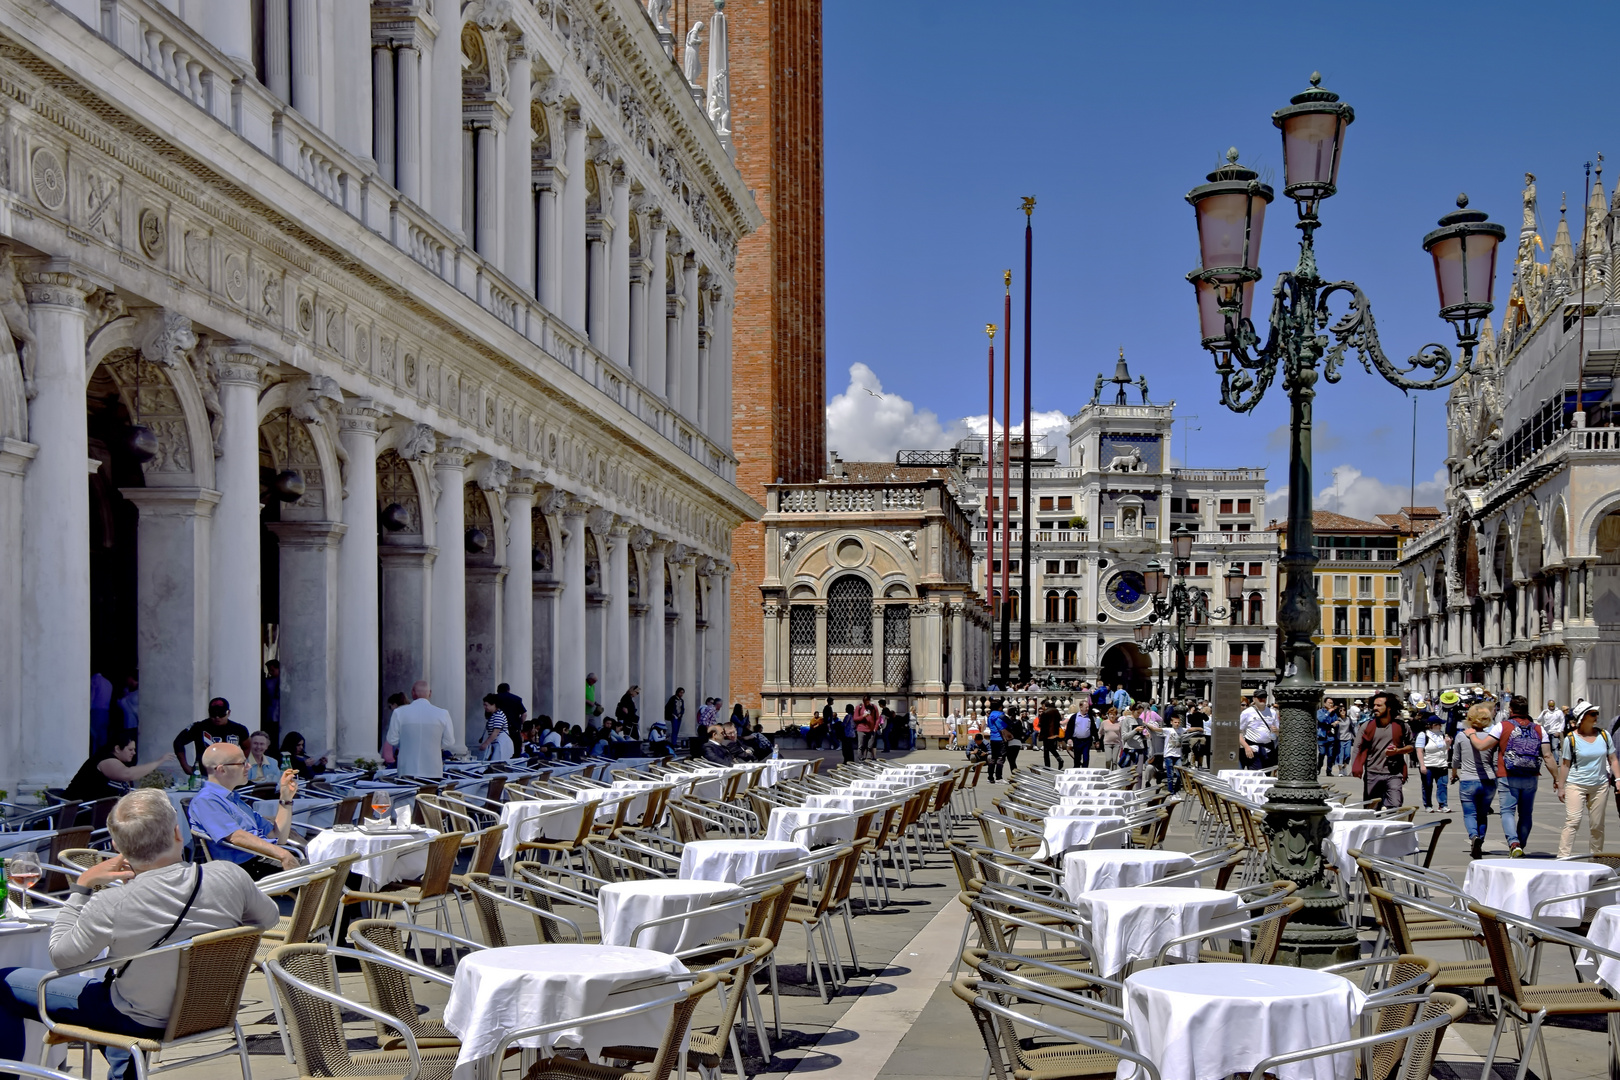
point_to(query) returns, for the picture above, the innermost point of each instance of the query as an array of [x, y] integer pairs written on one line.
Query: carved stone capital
[[523, 484], [233, 365], [361, 415], [54, 284], [452, 454]]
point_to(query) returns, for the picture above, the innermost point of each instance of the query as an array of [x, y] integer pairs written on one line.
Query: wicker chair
[[390, 986], [1259, 935], [1078, 1056], [1451, 974], [568, 849], [431, 891], [306, 979], [65, 840], [1404, 1052], [487, 848], [539, 902], [813, 914], [36, 1072], [295, 929], [213, 970]]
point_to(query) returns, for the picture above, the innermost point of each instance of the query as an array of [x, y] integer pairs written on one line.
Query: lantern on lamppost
[[1230, 214]]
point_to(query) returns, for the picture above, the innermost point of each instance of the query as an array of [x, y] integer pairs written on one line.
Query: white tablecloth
[[385, 866], [927, 768], [1370, 835], [778, 769], [1081, 774], [829, 826], [1516, 886], [1092, 799], [1605, 931], [536, 819], [501, 990], [28, 946], [1352, 813], [1133, 924], [1064, 831], [1086, 870], [734, 860], [845, 804], [891, 784], [625, 905], [1203, 1021], [1068, 786], [15, 843]]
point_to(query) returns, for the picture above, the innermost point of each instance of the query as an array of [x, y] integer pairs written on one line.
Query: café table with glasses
[[500, 990], [1201, 1021], [1516, 886], [393, 852], [25, 940], [1132, 924], [1118, 869], [737, 860], [626, 905]]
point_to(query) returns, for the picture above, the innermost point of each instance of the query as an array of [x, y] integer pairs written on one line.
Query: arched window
[[1051, 606], [849, 632], [1071, 606], [1257, 609]]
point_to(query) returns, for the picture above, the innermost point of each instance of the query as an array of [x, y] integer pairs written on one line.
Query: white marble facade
[[466, 268]]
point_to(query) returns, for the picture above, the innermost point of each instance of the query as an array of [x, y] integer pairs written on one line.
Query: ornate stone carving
[[194, 257], [14, 311], [151, 234], [169, 340], [49, 177], [554, 502], [236, 278], [422, 441], [492, 474], [790, 543], [101, 212], [599, 520]]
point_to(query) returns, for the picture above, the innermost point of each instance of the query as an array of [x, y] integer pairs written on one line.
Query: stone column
[[615, 673], [720, 368], [1578, 652], [686, 671], [278, 49], [596, 265], [171, 612], [672, 352], [408, 123], [821, 649], [637, 355], [234, 671], [572, 233], [487, 194], [958, 653], [359, 704], [655, 688], [310, 649], [15, 457], [704, 352], [618, 285], [56, 535], [228, 26], [546, 224], [774, 674], [689, 339], [546, 591], [484, 583], [657, 316], [306, 74], [723, 641], [447, 640], [517, 604], [518, 224], [878, 650], [383, 133], [568, 693]]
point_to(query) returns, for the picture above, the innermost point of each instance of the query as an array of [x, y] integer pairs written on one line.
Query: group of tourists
[[861, 729]]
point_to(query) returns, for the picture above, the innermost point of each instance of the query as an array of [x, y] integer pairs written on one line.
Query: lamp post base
[[1296, 825]]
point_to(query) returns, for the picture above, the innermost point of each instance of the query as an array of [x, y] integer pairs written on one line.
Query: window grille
[[802, 645], [896, 645], [849, 632]]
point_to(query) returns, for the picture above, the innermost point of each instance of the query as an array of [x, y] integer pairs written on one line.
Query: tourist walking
[[1434, 757], [1110, 738], [674, 713], [626, 713], [1079, 733], [1051, 725], [419, 734], [1473, 766], [1257, 733], [1524, 748], [1552, 722], [1381, 753], [995, 733], [1015, 731], [1348, 723], [1327, 736], [848, 734], [1590, 771]]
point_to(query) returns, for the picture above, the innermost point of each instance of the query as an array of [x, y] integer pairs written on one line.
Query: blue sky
[[940, 115]]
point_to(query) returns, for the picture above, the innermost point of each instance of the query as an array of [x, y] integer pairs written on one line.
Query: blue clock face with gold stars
[[1127, 589]]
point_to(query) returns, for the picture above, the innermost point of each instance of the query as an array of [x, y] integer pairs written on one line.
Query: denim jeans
[[1476, 798], [1435, 777], [1518, 807], [75, 999], [1172, 773]]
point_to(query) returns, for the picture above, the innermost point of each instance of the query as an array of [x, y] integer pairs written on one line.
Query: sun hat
[[1450, 697]]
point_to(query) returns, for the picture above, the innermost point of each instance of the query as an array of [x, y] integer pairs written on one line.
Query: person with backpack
[[1381, 753], [1079, 731], [1523, 747], [1590, 770], [1473, 769], [1014, 734]]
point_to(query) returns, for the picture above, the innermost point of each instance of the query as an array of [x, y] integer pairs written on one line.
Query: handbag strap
[[178, 919]]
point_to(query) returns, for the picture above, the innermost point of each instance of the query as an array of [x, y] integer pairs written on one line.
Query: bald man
[[236, 832], [418, 735]]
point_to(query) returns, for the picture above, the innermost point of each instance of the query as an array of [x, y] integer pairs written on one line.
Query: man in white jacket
[[418, 734]]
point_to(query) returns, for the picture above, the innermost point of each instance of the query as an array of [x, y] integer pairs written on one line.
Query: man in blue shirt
[[995, 730], [1122, 698], [235, 831]]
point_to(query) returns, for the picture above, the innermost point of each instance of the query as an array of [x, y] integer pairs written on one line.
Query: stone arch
[[273, 406], [849, 629], [1499, 558], [1420, 595], [124, 336], [1466, 559], [150, 397], [1584, 539], [898, 589], [481, 510], [285, 443], [1528, 550], [1558, 534], [398, 483], [544, 559], [595, 559]]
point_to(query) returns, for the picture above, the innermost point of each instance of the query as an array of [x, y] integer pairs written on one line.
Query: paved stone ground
[[897, 1019]]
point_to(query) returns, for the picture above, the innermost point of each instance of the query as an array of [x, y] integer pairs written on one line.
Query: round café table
[[1208, 1021], [1516, 886], [809, 826], [1118, 869], [625, 905], [1064, 831], [384, 864], [536, 819], [1135, 923], [1390, 837], [736, 860]]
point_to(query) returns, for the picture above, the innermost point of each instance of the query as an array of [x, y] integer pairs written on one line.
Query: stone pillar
[[348, 105], [720, 368], [359, 703], [596, 302], [672, 352], [657, 306], [484, 583], [278, 49], [1578, 652], [958, 683], [15, 457], [383, 134], [615, 673], [821, 649], [517, 603], [408, 123], [568, 693], [546, 591], [487, 194], [572, 233], [637, 354], [309, 642], [171, 620], [655, 688], [878, 651], [234, 671], [546, 224], [686, 670], [443, 136], [618, 284], [228, 26], [723, 641], [405, 587], [447, 637], [689, 338], [519, 202], [704, 352], [306, 74]]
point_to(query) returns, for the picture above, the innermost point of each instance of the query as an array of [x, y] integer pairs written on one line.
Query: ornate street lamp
[[1230, 211]]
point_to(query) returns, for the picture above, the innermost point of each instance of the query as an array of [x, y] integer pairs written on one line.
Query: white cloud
[[1355, 494], [866, 423]]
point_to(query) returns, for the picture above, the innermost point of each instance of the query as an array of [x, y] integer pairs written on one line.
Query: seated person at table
[[217, 728], [109, 772], [758, 744], [718, 746], [262, 769], [236, 832], [292, 746], [163, 900]]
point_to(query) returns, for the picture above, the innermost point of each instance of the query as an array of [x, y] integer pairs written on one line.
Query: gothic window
[[896, 645], [1257, 609], [1052, 606], [1071, 606], [802, 645], [849, 632]]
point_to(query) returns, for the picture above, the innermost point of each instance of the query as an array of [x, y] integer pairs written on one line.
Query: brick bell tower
[[779, 397]]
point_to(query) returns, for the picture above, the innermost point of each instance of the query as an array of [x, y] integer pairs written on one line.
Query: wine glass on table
[[23, 871], [380, 802]]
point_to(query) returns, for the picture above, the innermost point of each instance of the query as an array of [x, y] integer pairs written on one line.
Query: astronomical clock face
[[1127, 590]]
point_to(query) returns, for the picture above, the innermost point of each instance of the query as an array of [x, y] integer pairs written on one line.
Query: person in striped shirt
[[497, 743]]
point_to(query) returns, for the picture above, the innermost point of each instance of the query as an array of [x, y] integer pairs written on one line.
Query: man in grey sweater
[[154, 898]]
